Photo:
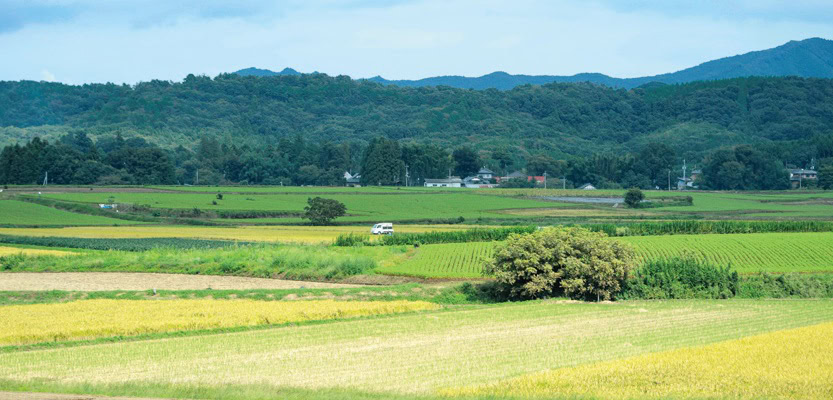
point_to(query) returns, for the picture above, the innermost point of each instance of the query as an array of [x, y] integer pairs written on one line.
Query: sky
[[128, 41]]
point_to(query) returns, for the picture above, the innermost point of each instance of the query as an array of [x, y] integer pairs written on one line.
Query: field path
[[101, 281]]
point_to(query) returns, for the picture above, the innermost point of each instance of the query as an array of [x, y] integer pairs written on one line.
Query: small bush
[[634, 197], [681, 278], [322, 211], [574, 261], [219, 196], [765, 285], [352, 239]]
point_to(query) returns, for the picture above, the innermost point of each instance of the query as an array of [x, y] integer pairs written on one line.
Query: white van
[[384, 228]]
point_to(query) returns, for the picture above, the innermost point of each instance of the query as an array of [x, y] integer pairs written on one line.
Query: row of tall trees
[[77, 159]]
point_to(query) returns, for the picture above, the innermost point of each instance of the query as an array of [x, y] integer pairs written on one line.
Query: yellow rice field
[[290, 234], [88, 319], [788, 364], [8, 251]]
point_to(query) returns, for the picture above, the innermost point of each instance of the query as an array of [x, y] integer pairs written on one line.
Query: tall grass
[[263, 261]]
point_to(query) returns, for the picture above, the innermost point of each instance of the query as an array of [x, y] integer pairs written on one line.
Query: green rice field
[[447, 260], [747, 253], [21, 213]]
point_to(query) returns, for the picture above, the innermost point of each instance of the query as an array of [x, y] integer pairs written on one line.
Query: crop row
[[118, 244], [749, 253], [694, 227], [449, 260]]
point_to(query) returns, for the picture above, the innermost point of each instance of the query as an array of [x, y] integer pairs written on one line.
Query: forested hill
[[554, 119], [810, 58]]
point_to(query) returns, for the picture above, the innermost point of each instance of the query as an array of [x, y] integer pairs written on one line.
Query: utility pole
[[407, 176], [564, 182], [45, 178], [545, 180], [669, 179]]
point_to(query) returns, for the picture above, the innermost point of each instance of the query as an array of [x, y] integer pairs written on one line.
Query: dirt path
[[51, 396], [100, 281]]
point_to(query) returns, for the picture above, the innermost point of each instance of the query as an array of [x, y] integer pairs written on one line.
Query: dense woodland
[[310, 129]]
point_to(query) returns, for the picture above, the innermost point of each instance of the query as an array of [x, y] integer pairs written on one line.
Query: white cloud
[[47, 76]]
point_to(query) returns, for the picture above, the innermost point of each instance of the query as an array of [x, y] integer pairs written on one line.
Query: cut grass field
[[90, 319], [14, 212], [787, 364], [395, 355], [747, 253], [285, 234]]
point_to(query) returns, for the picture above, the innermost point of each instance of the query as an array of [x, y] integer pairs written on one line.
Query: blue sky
[[121, 41]]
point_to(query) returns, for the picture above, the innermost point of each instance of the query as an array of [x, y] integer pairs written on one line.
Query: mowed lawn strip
[[418, 353], [787, 364], [14, 212]]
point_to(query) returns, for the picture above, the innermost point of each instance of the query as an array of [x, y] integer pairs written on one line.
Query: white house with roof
[[453, 181], [485, 173]]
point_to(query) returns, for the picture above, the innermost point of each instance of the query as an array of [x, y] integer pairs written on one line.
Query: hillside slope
[[559, 119]]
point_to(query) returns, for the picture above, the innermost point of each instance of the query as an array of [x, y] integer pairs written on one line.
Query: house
[[352, 180], [453, 181], [587, 186], [485, 173], [475, 182], [801, 174], [685, 183]]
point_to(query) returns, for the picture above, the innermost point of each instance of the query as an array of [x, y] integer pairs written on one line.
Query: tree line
[[75, 158]]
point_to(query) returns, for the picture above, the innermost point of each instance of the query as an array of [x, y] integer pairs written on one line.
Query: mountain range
[[809, 58]]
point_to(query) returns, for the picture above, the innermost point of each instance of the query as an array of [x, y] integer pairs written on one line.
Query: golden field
[[788, 364], [8, 251], [88, 319], [290, 234]]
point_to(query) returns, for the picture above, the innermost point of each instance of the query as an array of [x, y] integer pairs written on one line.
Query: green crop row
[[118, 244], [693, 227], [447, 260], [410, 239]]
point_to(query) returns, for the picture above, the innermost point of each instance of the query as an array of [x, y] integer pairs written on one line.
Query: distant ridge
[[809, 58], [265, 72]]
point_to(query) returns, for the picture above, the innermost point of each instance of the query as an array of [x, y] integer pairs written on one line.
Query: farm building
[[485, 173], [453, 181], [352, 180], [797, 176]]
